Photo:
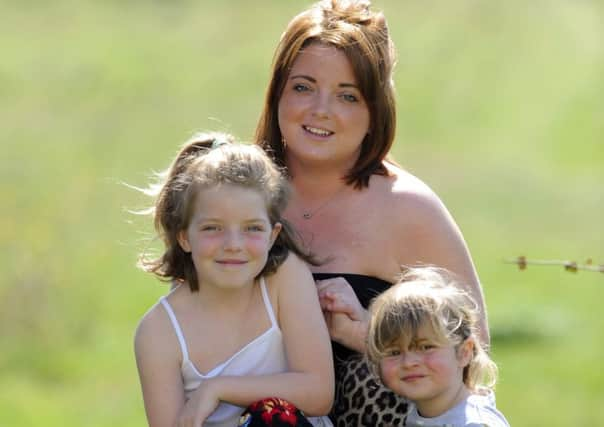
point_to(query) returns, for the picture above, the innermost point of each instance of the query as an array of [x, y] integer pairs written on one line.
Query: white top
[[263, 355], [477, 410]]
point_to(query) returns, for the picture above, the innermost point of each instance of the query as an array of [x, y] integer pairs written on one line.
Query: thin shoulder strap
[[267, 303], [176, 326]]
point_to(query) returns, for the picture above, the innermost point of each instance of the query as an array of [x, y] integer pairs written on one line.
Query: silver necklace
[[310, 213]]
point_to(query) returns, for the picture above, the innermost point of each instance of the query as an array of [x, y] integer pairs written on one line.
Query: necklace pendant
[[307, 215]]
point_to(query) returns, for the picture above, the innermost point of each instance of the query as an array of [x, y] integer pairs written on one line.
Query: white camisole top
[[263, 355]]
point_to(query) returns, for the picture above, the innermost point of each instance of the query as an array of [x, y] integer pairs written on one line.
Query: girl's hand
[[346, 319], [200, 405]]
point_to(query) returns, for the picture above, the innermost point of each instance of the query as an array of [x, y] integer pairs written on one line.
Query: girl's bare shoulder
[[292, 271], [155, 328], [152, 322]]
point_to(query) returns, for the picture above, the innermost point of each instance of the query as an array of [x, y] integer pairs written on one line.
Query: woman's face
[[322, 113]]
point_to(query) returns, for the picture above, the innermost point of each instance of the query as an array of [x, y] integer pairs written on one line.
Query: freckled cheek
[[437, 363], [290, 107], [208, 247], [362, 122], [389, 369], [258, 245]]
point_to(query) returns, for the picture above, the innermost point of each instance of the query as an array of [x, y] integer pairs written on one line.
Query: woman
[[329, 119]]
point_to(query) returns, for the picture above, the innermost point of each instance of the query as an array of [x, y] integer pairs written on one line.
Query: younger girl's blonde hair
[[429, 296]]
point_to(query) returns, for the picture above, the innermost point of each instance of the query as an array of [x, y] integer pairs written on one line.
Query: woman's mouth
[[317, 131]]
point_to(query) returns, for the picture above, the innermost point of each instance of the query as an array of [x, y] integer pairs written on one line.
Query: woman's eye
[[255, 228], [209, 228], [349, 97], [299, 87]]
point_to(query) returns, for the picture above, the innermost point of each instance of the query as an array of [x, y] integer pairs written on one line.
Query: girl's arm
[[157, 359], [309, 383]]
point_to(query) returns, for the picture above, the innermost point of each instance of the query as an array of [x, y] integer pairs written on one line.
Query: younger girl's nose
[[410, 358]]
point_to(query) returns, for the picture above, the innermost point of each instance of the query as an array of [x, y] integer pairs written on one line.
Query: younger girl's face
[[425, 371], [229, 236]]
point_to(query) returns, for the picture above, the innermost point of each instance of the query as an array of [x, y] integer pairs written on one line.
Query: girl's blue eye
[[255, 228]]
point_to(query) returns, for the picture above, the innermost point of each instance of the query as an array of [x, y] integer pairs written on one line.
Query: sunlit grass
[[500, 110]]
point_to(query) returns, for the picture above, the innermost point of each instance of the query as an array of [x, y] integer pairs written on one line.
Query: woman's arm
[[419, 231], [346, 318], [437, 240], [157, 359], [309, 382]]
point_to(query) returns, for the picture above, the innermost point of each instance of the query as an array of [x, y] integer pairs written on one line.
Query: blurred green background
[[501, 111]]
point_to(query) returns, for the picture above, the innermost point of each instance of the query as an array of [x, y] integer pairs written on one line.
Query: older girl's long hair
[[362, 34], [207, 160]]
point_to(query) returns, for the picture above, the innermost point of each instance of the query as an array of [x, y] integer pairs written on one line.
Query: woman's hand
[[345, 316], [337, 296], [200, 405]]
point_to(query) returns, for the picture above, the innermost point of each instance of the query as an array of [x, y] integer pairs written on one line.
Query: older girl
[[244, 321]]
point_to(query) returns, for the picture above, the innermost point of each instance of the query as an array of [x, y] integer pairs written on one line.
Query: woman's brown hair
[[362, 34]]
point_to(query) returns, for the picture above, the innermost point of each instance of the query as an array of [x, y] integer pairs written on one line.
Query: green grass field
[[501, 111]]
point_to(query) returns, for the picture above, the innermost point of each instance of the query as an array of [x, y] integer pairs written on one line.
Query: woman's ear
[[183, 241], [275, 232], [465, 352]]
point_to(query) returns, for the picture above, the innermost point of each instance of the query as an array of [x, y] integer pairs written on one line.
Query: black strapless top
[[366, 288]]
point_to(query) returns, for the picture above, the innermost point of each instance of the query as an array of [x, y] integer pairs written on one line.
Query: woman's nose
[[321, 106]]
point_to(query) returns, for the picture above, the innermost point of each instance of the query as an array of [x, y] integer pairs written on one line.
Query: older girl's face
[[229, 236], [322, 113]]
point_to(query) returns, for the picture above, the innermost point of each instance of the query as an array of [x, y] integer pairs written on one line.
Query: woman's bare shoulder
[[404, 192]]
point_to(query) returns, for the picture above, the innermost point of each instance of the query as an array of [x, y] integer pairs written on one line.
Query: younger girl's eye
[[425, 347], [209, 227], [392, 352]]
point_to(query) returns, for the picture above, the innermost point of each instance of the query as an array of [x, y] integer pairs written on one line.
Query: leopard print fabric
[[361, 400]]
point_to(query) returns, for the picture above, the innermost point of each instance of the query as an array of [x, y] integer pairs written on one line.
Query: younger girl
[[422, 342], [243, 321]]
